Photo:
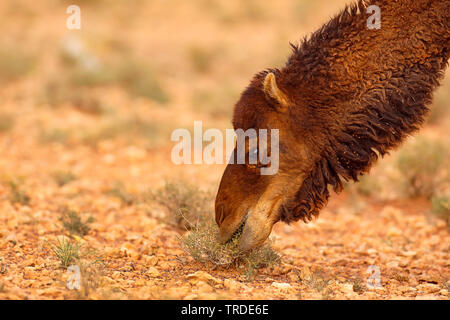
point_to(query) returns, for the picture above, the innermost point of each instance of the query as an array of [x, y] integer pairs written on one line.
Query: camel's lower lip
[[238, 232]]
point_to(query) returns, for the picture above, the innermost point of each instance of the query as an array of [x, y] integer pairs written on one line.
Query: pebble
[[153, 272], [203, 276], [409, 253], [232, 284], [347, 288], [281, 285]]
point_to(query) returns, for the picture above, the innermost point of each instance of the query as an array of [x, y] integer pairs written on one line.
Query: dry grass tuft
[[18, 195], [185, 205], [74, 224], [201, 243], [63, 177], [119, 191], [440, 206], [423, 167]]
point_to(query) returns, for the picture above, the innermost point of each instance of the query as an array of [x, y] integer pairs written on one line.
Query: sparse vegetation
[[217, 102], [119, 191], [73, 222], [132, 127], [318, 280], [201, 243], [185, 205], [66, 251], [17, 194], [14, 63], [63, 177], [92, 277], [201, 59], [85, 69], [440, 206], [422, 167], [439, 109], [188, 207], [359, 286], [6, 122], [368, 185], [54, 135]]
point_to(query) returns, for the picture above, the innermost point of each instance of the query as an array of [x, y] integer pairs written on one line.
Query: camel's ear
[[271, 90]]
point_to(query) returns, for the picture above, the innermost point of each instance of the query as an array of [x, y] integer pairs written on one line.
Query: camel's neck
[[368, 88]]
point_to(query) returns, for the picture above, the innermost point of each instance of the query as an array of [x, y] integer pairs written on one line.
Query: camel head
[[249, 202]]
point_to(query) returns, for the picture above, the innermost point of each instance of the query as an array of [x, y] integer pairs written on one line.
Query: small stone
[[347, 288], [281, 286], [393, 264], [153, 272], [203, 276], [394, 232], [409, 253], [203, 287], [305, 274], [443, 292], [12, 237], [151, 260], [403, 263], [293, 276]]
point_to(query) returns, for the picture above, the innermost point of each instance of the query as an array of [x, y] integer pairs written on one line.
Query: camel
[[347, 95]]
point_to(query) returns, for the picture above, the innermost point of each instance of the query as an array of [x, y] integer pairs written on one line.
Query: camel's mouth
[[236, 235]]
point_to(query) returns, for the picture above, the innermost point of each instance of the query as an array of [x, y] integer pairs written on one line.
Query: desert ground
[[86, 177]]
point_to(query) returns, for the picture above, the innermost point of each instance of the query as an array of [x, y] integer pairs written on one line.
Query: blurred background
[[89, 102], [86, 115], [139, 69]]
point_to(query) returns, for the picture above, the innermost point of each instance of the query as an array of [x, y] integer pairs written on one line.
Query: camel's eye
[[252, 158]]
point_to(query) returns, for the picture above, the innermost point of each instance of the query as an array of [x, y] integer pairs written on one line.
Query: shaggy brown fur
[[371, 96], [354, 94]]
